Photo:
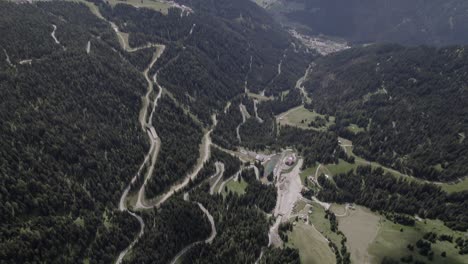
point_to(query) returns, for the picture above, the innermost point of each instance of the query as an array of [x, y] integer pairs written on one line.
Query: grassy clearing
[[94, 9], [301, 117], [360, 227], [338, 209], [355, 128], [313, 248], [151, 4], [259, 97], [341, 167], [236, 186], [306, 173], [298, 207], [79, 222], [391, 242], [448, 187], [317, 218], [457, 187]]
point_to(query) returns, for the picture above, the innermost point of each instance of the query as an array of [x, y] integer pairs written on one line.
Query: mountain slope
[[411, 102], [70, 137], [438, 22]]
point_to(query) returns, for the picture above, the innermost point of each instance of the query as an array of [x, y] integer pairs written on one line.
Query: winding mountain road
[[205, 155], [255, 101], [151, 156], [7, 58], [219, 174], [147, 126], [300, 83], [236, 175], [208, 240], [244, 118], [55, 38]]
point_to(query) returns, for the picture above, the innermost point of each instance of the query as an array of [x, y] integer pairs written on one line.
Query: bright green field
[[341, 167], [391, 242], [295, 117], [236, 186]]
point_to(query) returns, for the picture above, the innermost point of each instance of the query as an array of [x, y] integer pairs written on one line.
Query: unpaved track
[[205, 146], [259, 257], [300, 83], [208, 240], [140, 234], [236, 175], [273, 236], [88, 47], [53, 34], [244, 118], [257, 172], [345, 212], [325, 206], [281, 62], [246, 89], [152, 135], [191, 29], [146, 126], [7, 59], [256, 113], [219, 174], [55, 38]]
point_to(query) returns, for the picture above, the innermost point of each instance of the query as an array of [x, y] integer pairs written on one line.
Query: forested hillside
[[176, 225], [222, 44], [71, 140], [410, 102], [181, 138], [70, 137], [242, 230], [130, 135], [380, 191], [436, 22]]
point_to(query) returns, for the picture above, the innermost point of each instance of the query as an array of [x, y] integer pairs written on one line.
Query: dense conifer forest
[[71, 140], [180, 139], [410, 102], [175, 225], [242, 231], [382, 191]]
